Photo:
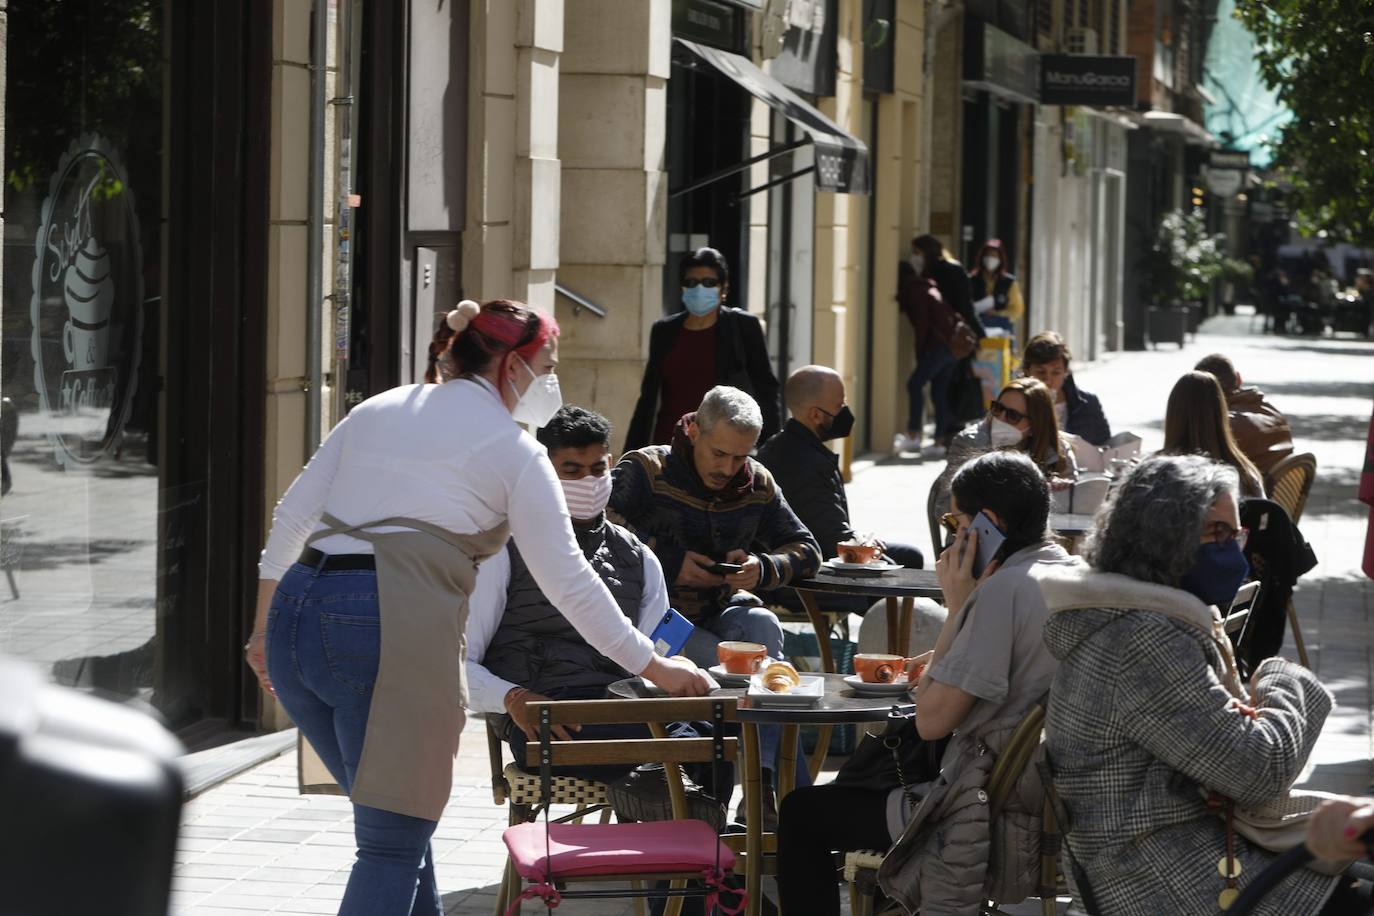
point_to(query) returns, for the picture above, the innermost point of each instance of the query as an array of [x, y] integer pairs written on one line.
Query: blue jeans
[[742, 623], [930, 366], [323, 648]]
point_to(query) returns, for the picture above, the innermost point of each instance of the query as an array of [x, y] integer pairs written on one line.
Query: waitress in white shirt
[[363, 597]]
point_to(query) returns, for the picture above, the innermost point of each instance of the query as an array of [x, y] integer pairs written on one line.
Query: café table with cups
[[826, 699]]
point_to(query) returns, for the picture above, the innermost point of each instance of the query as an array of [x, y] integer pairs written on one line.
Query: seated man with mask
[[809, 475], [520, 649]]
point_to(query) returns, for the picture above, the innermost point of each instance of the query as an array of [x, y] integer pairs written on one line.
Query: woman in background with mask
[[1151, 732], [1021, 417], [364, 584], [692, 351], [996, 294]]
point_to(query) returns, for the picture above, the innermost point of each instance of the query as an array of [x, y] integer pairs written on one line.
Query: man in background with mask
[[808, 471]]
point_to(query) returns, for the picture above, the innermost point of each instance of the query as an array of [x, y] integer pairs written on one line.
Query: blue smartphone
[[990, 540], [671, 633]]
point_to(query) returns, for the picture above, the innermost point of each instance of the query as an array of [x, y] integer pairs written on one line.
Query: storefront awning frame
[[841, 159]]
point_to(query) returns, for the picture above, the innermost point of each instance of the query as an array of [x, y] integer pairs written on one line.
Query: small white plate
[[891, 689], [807, 693], [727, 678], [840, 568]]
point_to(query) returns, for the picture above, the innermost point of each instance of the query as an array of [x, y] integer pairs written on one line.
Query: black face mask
[[841, 423]]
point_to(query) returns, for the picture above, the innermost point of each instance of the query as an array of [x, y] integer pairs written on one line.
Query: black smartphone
[[724, 569], [990, 540]]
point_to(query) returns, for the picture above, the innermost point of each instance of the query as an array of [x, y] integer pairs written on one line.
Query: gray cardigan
[[1140, 719]]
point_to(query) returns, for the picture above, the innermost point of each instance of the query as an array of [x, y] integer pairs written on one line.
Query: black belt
[[337, 561]]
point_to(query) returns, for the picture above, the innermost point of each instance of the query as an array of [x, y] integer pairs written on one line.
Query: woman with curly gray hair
[[1150, 732]]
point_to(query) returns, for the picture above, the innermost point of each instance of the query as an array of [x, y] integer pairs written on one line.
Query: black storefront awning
[[841, 158]]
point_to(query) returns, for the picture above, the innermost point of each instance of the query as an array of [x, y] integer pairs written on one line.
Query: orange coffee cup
[[879, 669], [858, 553], [741, 657]]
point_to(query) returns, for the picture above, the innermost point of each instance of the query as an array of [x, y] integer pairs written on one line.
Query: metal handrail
[[580, 301]]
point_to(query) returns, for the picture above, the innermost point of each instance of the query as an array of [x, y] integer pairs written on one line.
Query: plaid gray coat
[[1139, 719]]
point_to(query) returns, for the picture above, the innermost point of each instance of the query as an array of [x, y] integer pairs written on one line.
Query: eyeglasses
[[693, 283], [1003, 412], [950, 522], [1222, 533]]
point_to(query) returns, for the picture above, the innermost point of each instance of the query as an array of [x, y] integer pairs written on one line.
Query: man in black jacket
[[808, 471]]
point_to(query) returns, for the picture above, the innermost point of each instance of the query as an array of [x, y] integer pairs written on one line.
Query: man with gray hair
[[703, 501]]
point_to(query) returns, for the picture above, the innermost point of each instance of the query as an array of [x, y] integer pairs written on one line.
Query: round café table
[[841, 704], [1070, 525], [899, 588], [898, 585]]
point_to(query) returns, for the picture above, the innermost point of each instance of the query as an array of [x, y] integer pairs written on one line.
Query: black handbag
[[896, 758]]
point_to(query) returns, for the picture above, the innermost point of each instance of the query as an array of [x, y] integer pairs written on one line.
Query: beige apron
[[424, 578]]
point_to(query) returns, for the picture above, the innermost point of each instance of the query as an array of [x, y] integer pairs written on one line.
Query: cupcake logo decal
[[87, 303]]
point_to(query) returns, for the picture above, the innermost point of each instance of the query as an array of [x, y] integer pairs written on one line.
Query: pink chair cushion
[[609, 849]]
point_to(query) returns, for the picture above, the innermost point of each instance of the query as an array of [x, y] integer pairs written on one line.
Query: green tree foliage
[[1319, 56]]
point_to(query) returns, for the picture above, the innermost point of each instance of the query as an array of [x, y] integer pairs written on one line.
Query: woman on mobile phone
[[988, 667]]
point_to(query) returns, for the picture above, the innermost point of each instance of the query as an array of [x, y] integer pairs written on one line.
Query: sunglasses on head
[[1003, 412], [693, 282]]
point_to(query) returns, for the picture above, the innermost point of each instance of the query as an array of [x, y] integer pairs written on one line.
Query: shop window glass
[[79, 372]]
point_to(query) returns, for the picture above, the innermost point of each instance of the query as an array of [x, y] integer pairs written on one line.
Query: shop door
[[134, 241], [791, 254]]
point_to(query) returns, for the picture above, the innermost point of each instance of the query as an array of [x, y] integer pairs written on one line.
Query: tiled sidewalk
[[254, 845]]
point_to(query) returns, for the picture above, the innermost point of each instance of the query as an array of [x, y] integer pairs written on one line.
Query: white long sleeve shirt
[[451, 455], [486, 691]]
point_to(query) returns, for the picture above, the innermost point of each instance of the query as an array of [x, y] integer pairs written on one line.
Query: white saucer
[[841, 568], [893, 689], [726, 678]]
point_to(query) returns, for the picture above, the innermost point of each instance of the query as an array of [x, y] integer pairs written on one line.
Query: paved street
[[253, 844]]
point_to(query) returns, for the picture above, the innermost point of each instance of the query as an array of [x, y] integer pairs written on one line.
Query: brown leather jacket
[[1260, 430]]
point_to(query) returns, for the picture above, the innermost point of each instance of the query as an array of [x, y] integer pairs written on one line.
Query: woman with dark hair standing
[[988, 667], [362, 599], [1196, 421], [1021, 418], [692, 351]]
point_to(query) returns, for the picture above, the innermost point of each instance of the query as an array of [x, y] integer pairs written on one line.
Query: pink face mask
[[587, 497]]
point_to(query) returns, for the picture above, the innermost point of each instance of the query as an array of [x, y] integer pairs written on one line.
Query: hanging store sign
[[711, 22], [1225, 182], [1089, 80], [997, 62], [1229, 159]]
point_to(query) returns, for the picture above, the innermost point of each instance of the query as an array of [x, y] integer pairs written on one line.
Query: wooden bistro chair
[[1290, 483], [861, 867], [521, 790], [549, 857]]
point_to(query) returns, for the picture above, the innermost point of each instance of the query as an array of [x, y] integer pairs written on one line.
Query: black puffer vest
[[536, 647]]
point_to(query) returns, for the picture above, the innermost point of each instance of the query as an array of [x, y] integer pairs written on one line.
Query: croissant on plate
[[780, 677]]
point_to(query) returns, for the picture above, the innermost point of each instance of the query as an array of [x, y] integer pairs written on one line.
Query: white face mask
[[1004, 434], [917, 263], [992, 262], [541, 399], [587, 497]]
